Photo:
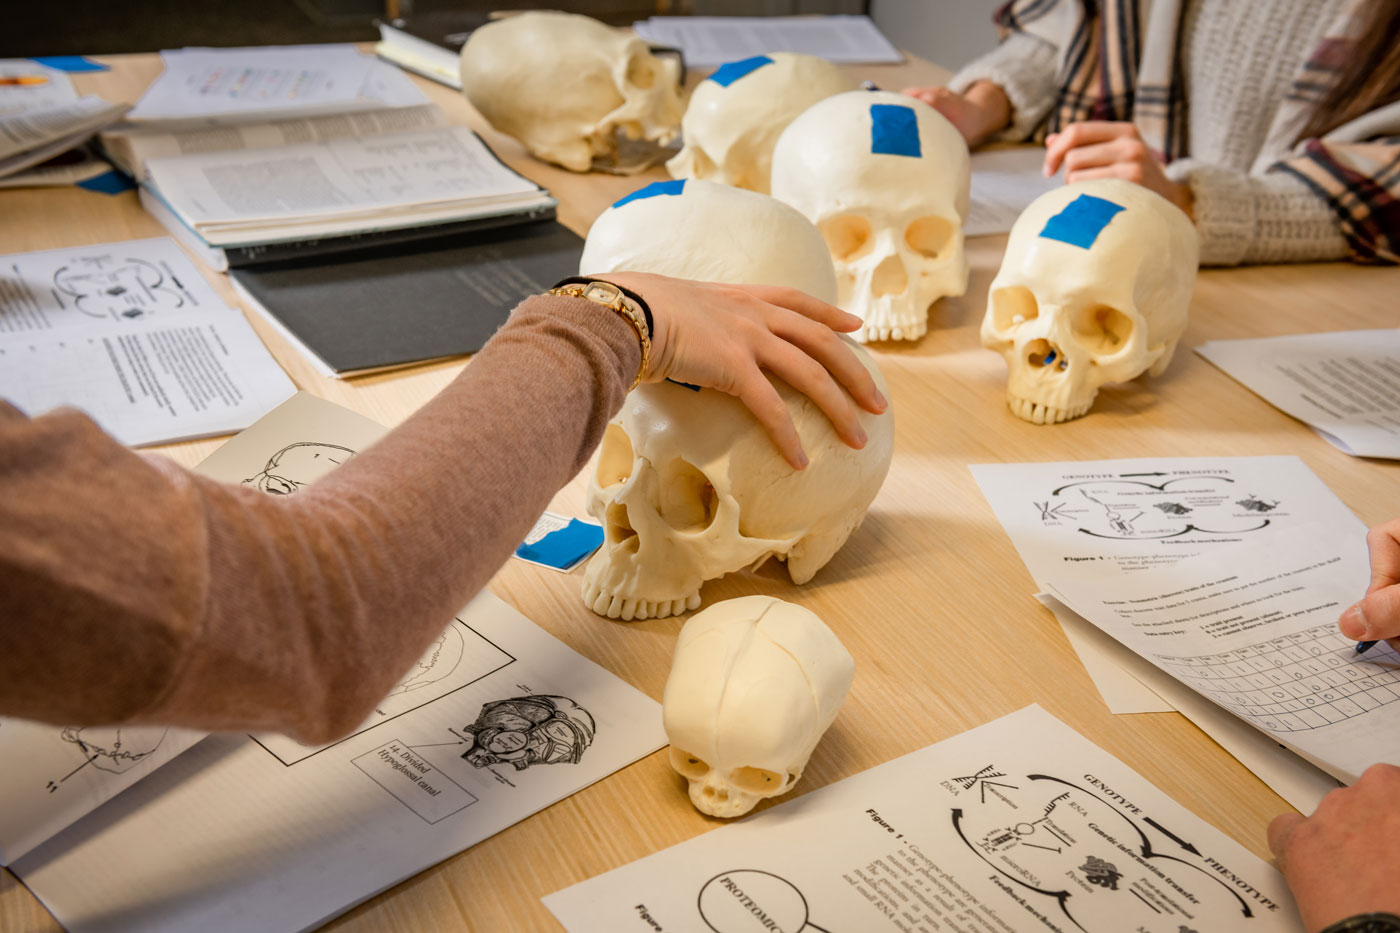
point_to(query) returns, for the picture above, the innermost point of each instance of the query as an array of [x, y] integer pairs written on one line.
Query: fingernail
[[1353, 623], [802, 460], [861, 436], [881, 400]]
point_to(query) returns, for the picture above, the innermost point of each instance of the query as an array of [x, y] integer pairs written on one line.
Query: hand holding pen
[[1377, 615]]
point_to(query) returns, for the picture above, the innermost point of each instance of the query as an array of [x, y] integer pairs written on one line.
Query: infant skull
[[736, 114], [1094, 288], [687, 484], [565, 85], [754, 683], [885, 178]]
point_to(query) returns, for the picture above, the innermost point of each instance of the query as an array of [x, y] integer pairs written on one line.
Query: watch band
[[630, 308], [1367, 923]]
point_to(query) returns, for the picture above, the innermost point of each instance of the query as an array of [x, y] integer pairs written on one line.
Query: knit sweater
[[132, 590], [1237, 60]]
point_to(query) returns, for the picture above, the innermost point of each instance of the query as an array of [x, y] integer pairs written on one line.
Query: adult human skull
[[736, 114], [687, 484], [754, 684], [885, 178], [1094, 288], [565, 85]]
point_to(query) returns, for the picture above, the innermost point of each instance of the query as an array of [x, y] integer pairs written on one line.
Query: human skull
[[736, 114], [565, 85], [1094, 288], [754, 684], [885, 178], [687, 485]]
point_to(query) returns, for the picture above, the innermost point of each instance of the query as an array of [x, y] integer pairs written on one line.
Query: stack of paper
[[41, 115], [713, 40]]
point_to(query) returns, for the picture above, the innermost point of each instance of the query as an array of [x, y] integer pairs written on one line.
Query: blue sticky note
[[726, 75], [565, 547], [894, 130], [112, 182], [653, 190], [1081, 221], [70, 63]]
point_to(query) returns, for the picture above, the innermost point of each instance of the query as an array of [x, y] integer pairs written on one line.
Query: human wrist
[[991, 109], [624, 303], [1366, 923]]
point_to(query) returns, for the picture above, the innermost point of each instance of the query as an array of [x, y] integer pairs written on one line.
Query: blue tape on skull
[[653, 190], [726, 75], [894, 130], [1081, 221]]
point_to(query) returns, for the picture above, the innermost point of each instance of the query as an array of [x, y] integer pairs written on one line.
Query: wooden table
[[929, 595]]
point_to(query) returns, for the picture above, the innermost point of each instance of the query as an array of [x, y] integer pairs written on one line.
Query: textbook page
[[32, 86], [497, 721], [267, 82], [1255, 631], [1346, 384], [33, 136], [133, 146], [1019, 824], [1004, 183]]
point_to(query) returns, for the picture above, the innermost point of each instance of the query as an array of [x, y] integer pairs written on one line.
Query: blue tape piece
[[1081, 221], [652, 190], [112, 182], [726, 75], [564, 547], [71, 63], [894, 130]]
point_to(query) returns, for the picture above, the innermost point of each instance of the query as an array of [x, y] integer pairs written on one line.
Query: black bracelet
[[641, 303], [1366, 923]]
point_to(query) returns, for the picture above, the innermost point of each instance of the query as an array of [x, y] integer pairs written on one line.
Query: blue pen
[[1364, 646]]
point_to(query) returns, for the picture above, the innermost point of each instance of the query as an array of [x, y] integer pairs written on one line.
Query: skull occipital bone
[[687, 484], [565, 85], [735, 116], [886, 180], [754, 684], [1094, 288]]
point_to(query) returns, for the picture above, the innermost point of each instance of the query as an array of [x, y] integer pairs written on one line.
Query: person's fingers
[[1374, 617], [1281, 829], [762, 399], [1094, 155], [833, 353], [804, 304], [1090, 132], [813, 380], [1127, 171], [925, 94], [1383, 541]]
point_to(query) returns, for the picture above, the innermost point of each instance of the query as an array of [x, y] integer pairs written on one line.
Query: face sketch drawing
[[296, 465], [529, 730]]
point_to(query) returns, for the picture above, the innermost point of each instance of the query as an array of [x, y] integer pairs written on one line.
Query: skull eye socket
[[757, 780], [1103, 330], [615, 457], [640, 73], [688, 500], [929, 236], [1013, 306], [848, 237], [687, 765]]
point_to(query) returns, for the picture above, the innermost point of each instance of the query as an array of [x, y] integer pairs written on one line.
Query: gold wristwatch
[[608, 294]]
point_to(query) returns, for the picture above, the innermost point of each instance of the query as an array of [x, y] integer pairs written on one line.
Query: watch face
[[602, 291]]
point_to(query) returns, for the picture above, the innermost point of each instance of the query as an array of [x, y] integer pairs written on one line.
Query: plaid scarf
[[1106, 74]]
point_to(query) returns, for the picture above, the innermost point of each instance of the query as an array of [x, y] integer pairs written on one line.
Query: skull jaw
[[1047, 395], [1039, 412]]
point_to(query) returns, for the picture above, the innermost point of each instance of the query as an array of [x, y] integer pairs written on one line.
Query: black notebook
[[380, 309]]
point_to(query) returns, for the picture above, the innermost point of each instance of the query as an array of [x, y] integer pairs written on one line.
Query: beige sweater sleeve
[[134, 591]]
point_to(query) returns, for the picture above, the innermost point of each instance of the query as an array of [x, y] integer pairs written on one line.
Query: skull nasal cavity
[[1012, 306], [1044, 353], [847, 237], [890, 277], [619, 530], [615, 457], [688, 499]]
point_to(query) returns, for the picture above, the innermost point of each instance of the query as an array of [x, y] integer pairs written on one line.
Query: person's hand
[[725, 336], [1099, 149], [977, 114], [1377, 615], [1343, 860]]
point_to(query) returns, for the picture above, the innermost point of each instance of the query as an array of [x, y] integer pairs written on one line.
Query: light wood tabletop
[[928, 595]]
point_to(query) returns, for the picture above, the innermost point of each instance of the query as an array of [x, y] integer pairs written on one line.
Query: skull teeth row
[[627, 609], [912, 331], [1039, 413]]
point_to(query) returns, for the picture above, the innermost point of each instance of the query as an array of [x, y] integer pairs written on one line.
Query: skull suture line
[[565, 85], [1095, 288], [886, 180], [754, 683], [687, 484], [735, 115]]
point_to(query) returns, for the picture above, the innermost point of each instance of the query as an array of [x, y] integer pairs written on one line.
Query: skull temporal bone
[[1094, 288], [886, 179], [565, 85], [754, 684], [687, 484], [735, 116]]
